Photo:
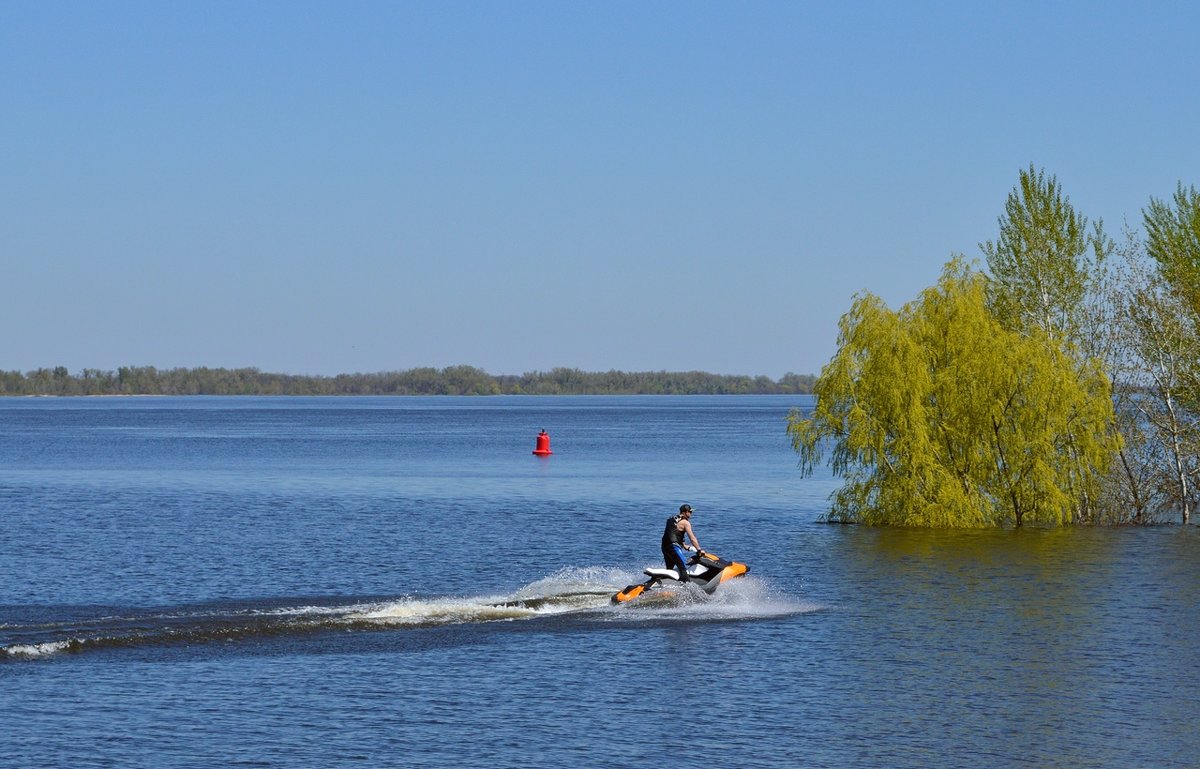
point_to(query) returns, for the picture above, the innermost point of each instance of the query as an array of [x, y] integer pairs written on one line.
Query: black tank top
[[671, 534]]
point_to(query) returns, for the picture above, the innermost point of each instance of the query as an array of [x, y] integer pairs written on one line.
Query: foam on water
[[571, 589], [412, 611]]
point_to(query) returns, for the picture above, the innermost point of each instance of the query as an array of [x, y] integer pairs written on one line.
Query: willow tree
[[939, 416], [1048, 274]]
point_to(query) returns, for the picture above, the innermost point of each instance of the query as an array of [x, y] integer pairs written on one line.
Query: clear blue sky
[[371, 186]]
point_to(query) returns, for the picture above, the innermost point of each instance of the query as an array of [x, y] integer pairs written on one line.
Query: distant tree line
[[453, 380]]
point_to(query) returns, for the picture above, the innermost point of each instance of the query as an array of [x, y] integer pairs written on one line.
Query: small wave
[[37, 650], [180, 628]]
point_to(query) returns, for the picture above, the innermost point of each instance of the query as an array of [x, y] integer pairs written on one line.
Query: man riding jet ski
[[678, 528], [704, 568]]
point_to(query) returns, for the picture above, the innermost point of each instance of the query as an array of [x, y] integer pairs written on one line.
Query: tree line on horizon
[[453, 380], [1061, 385]]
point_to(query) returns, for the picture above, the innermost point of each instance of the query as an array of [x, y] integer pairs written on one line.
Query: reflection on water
[[1059, 640]]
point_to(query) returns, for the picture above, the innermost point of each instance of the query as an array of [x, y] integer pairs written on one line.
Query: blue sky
[[367, 186]]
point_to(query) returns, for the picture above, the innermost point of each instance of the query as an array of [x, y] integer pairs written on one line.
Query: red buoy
[[543, 444]]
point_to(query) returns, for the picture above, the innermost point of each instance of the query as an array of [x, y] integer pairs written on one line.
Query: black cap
[[685, 508]]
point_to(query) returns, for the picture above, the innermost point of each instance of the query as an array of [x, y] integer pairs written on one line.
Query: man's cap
[[685, 508]]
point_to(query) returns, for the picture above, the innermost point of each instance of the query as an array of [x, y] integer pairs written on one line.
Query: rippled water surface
[[400, 583]]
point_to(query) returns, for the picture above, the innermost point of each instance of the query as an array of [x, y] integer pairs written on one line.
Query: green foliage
[[1042, 264], [1173, 241], [939, 416]]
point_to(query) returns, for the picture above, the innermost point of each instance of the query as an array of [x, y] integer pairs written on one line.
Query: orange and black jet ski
[[705, 570]]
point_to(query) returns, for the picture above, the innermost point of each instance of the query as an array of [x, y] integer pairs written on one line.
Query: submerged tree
[[1156, 335], [1048, 279], [1158, 403], [1164, 336], [939, 416]]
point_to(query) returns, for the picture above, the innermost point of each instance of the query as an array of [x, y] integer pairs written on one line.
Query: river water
[[399, 582]]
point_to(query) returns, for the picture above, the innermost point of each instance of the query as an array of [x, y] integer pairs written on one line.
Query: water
[[387, 582]]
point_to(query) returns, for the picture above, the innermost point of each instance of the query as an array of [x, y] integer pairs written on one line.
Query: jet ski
[[705, 570]]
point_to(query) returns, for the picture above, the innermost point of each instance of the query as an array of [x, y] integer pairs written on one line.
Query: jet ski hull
[[706, 571]]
